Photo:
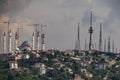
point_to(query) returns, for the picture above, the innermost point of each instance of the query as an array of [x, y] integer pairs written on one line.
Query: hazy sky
[[61, 18]]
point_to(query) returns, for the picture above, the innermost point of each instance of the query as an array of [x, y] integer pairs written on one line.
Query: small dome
[[26, 43], [17, 49]]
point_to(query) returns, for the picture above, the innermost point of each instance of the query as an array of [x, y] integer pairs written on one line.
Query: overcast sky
[[61, 18]]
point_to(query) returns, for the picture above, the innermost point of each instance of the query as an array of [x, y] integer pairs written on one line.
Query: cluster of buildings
[[82, 58], [61, 59], [38, 40], [24, 51]]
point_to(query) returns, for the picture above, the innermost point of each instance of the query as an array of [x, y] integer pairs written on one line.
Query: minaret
[[33, 41], [105, 45], [36, 36], [95, 46], [113, 46], [109, 44], [42, 26], [116, 50], [78, 39], [85, 45], [16, 40], [100, 38], [8, 23], [4, 43], [90, 31], [19, 34], [76, 45], [38, 45], [9, 46], [43, 41]]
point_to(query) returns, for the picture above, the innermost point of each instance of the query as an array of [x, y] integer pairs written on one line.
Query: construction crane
[[37, 27], [8, 23], [18, 30], [36, 35]]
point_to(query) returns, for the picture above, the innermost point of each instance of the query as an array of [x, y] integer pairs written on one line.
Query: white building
[[25, 56], [69, 70], [77, 77], [40, 67], [69, 52], [13, 65]]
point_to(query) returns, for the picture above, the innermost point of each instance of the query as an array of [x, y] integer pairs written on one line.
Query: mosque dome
[[26, 45]]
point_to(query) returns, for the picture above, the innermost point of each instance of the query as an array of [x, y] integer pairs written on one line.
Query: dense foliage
[[27, 72]]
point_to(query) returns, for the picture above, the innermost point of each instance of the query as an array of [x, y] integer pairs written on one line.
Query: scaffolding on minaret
[[4, 43], [10, 42], [100, 38], [16, 40], [90, 31], [36, 37], [8, 24]]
